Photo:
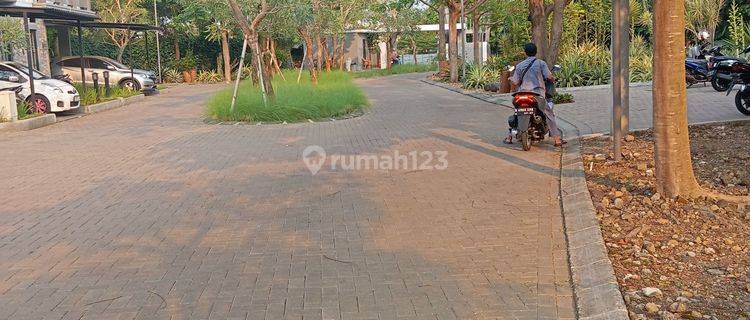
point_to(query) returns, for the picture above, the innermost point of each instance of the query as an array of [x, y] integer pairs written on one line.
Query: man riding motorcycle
[[530, 76]]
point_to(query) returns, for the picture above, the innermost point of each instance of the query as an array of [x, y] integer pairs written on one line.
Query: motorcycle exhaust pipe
[[724, 76]]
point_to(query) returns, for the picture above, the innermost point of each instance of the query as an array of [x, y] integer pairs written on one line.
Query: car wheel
[[39, 104], [130, 84]]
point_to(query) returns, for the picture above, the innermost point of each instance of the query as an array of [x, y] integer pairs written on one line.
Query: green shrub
[[88, 95], [187, 62], [589, 64], [209, 76], [22, 107], [172, 76], [335, 95], [641, 60], [562, 98], [479, 76]]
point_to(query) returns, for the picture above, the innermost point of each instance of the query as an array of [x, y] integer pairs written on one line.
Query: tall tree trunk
[[225, 54], [342, 53], [309, 55], [393, 44], [553, 50], [326, 55], [441, 33], [388, 50], [177, 54], [476, 38], [453, 16], [274, 59], [120, 52], [319, 52], [674, 169], [334, 50], [258, 59], [539, 34], [414, 51]]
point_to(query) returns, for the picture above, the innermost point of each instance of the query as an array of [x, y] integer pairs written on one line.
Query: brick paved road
[[146, 212], [592, 111]]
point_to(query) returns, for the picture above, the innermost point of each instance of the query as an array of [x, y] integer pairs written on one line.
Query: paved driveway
[[147, 212]]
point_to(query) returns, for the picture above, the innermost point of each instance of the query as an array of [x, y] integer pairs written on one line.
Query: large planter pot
[[186, 77], [505, 82], [444, 68], [194, 75]]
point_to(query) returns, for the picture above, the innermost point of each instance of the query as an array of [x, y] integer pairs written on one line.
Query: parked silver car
[[119, 74]]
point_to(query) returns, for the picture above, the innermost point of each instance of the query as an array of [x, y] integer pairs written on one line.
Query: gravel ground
[[676, 258]]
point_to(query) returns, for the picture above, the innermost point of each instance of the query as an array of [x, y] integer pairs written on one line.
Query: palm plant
[[702, 15], [479, 76]]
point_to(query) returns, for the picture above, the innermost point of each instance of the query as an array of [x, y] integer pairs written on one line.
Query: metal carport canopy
[[103, 25]]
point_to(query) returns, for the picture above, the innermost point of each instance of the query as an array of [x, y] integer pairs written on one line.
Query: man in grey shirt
[[533, 81]]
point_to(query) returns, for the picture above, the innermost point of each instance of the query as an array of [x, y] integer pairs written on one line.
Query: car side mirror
[[110, 68], [13, 79]]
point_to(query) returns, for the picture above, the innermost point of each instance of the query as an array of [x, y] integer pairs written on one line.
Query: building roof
[[69, 10]]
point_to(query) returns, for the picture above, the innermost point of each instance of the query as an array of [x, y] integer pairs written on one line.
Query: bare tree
[[250, 31], [120, 11], [547, 40]]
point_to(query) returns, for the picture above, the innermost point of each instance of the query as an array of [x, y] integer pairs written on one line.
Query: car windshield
[[25, 70], [114, 63]]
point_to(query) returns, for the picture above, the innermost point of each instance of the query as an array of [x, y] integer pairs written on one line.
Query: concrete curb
[[498, 99], [603, 86], [597, 294], [29, 124], [113, 104], [49, 119]]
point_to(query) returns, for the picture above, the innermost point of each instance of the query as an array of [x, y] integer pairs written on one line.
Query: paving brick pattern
[[592, 111], [146, 212]]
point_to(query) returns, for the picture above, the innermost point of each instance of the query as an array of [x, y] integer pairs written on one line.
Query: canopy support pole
[[80, 53], [29, 58]]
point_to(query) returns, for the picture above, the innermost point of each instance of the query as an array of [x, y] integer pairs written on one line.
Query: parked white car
[[51, 95]]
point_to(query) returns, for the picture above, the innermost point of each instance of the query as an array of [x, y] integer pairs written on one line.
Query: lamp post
[[620, 70]]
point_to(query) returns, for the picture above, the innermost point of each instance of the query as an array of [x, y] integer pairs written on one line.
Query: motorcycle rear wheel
[[525, 141], [742, 102], [720, 85]]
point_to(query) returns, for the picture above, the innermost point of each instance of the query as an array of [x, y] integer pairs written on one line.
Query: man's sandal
[[562, 143]]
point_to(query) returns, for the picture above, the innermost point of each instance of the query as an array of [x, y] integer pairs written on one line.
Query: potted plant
[[187, 66]]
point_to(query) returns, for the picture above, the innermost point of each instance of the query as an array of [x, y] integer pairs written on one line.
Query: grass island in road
[[335, 96]]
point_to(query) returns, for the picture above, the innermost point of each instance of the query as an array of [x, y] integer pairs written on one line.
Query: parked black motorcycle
[[741, 76], [711, 66], [721, 70]]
